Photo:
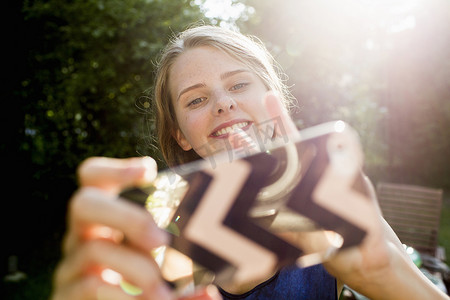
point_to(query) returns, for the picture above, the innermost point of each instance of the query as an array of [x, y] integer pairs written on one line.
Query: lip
[[229, 124]]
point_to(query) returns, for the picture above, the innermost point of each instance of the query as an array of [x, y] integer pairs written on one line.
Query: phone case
[[236, 221]]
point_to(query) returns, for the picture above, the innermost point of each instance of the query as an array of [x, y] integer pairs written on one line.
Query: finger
[[86, 288], [90, 207], [90, 287], [284, 125], [114, 174], [136, 267], [110, 292]]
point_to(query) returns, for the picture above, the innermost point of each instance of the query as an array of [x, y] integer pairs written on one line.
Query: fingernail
[[142, 169], [150, 169]]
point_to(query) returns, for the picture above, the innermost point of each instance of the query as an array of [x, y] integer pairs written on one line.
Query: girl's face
[[212, 93]]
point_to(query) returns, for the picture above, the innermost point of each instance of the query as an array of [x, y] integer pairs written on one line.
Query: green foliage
[[76, 85], [89, 62]]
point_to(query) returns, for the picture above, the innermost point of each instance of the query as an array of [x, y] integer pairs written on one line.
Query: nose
[[224, 104]]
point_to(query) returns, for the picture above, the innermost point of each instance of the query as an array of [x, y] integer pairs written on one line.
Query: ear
[[182, 141]]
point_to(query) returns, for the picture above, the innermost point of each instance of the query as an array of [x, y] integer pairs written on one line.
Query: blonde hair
[[246, 49]]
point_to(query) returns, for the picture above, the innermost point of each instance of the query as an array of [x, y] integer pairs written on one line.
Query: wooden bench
[[414, 212]]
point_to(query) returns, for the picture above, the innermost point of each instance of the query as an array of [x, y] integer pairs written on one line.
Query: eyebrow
[[189, 88], [222, 77], [231, 73]]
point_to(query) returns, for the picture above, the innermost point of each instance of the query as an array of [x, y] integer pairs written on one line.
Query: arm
[[391, 277], [380, 268]]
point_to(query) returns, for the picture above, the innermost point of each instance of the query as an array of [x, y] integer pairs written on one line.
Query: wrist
[[397, 278]]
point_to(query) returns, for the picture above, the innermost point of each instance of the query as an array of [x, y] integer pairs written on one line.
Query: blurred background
[[78, 76]]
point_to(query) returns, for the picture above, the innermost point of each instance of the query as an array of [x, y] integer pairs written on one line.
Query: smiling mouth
[[226, 130]]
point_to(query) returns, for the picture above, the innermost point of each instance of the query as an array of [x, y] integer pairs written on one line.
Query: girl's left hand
[[379, 266]]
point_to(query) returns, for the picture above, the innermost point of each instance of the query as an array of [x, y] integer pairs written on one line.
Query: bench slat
[[413, 213]]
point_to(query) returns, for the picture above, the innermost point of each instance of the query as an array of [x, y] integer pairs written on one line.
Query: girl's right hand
[[95, 256]]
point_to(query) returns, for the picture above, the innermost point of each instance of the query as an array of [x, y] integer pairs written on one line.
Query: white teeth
[[230, 128]]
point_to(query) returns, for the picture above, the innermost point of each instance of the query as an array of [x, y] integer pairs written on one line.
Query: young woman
[[210, 81]]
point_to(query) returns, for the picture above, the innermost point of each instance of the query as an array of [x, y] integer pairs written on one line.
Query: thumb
[[284, 125], [113, 174]]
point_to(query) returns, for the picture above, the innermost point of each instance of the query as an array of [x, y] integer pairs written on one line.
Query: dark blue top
[[293, 283]]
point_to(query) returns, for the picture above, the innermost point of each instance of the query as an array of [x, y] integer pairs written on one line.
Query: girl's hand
[[379, 267], [95, 255]]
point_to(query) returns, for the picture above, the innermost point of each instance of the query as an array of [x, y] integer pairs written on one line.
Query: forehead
[[206, 54], [199, 64]]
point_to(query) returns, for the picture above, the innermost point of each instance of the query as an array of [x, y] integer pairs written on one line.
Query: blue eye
[[196, 101], [239, 86]]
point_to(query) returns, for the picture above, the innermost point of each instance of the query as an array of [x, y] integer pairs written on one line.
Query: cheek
[[255, 108], [193, 125], [254, 98]]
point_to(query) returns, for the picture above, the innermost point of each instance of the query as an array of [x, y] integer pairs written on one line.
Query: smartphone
[[236, 221]]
